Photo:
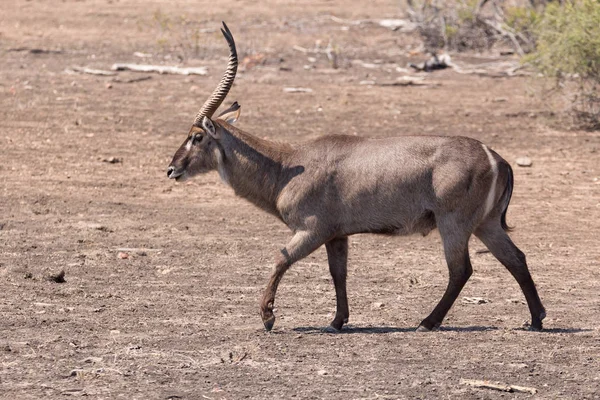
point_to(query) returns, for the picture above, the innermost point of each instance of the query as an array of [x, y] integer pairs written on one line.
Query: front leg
[[302, 244]]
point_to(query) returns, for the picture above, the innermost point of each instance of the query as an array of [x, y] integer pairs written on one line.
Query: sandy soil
[[179, 317]]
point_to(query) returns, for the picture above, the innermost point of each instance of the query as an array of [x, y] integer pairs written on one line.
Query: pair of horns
[[217, 97]]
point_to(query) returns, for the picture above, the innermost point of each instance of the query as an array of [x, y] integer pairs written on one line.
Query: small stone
[[92, 360], [76, 373], [112, 160], [321, 372], [109, 86], [122, 255], [377, 305], [475, 300], [524, 162], [58, 278]]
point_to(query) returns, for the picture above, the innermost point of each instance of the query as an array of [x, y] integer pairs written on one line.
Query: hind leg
[[456, 250], [500, 245], [337, 254]]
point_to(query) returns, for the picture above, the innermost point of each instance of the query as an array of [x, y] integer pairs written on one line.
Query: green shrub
[[568, 50]]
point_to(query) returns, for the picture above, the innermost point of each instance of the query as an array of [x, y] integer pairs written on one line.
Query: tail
[[506, 198]]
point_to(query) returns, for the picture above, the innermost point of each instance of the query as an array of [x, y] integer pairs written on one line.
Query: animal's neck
[[253, 167]]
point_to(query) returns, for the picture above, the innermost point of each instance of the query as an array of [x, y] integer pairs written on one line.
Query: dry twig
[[91, 71], [161, 69], [498, 386]]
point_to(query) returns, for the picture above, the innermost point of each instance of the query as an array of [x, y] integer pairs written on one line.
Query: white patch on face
[[489, 203], [188, 145]]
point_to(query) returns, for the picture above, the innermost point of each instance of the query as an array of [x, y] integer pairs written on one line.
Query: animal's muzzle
[[171, 174]]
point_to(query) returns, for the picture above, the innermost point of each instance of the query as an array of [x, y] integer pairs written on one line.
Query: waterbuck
[[336, 186]]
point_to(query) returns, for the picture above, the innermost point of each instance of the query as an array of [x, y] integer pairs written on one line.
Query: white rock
[[524, 162]]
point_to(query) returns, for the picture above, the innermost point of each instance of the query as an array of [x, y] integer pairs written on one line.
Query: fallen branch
[[35, 51], [506, 33], [91, 71], [136, 249], [494, 70], [498, 386], [345, 21], [409, 81], [132, 80], [300, 49], [142, 55], [474, 300], [161, 69], [297, 90], [401, 25]]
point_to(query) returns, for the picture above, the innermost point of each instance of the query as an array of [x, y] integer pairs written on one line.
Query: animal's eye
[[198, 138]]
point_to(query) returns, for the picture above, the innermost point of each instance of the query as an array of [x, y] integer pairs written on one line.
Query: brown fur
[[336, 186]]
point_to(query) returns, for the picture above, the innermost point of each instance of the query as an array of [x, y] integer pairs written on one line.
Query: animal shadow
[[352, 329]]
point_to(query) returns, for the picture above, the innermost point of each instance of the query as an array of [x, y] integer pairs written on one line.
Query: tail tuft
[[506, 197]]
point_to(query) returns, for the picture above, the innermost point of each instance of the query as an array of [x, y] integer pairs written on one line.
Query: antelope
[[336, 186]]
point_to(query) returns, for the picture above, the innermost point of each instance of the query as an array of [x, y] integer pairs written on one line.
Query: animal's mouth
[[182, 177]]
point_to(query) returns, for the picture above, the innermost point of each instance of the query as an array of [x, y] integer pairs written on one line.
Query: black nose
[[170, 170]]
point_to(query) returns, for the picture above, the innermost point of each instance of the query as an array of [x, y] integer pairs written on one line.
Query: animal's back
[[390, 185]]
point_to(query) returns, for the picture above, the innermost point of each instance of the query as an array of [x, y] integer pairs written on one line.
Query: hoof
[[423, 328], [269, 322], [534, 328], [338, 324], [536, 323], [331, 329]]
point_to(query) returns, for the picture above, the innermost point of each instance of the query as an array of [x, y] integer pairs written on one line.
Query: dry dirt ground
[[179, 317]]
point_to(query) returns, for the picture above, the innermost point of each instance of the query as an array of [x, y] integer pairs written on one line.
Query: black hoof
[[536, 323], [269, 323], [331, 329], [536, 326], [424, 327]]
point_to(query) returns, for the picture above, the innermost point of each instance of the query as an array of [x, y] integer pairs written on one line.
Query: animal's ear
[[231, 114], [209, 127]]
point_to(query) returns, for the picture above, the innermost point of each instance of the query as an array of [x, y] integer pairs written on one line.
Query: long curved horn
[[217, 97]]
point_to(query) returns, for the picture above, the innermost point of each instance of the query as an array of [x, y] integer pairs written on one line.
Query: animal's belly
[[397, 224]]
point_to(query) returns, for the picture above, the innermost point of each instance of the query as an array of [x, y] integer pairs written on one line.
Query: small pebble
[[524, 162], [58, 278]]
